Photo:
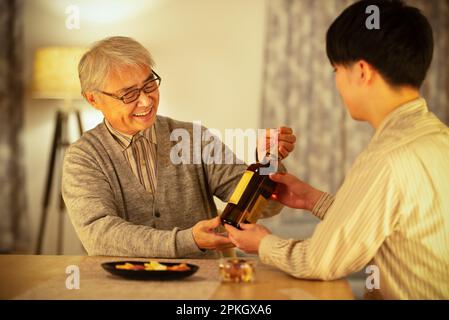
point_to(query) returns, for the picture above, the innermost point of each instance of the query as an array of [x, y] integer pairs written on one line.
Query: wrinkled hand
[[294, 193], [248, 239], [206, 237], [285, 142]]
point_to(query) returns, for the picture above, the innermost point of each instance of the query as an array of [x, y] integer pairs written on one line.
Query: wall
[[208, 53]]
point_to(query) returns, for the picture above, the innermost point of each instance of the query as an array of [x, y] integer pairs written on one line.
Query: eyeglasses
[[150, 85]]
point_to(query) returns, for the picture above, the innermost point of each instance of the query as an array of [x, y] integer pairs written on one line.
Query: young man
[[124, 194], [392, 210]]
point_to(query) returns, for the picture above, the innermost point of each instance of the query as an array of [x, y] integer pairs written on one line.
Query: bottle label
[[256, 211], [238, 192]]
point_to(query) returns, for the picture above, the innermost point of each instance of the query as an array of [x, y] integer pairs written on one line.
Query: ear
[[366, 72], [92, 99]]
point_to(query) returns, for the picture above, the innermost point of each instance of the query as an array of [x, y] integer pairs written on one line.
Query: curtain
[[436, 86], [14, 235], [299, 91]]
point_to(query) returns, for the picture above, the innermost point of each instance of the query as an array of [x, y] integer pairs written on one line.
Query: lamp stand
[[59, 145]]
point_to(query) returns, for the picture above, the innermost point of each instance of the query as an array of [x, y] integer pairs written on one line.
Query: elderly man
[[124, 195]]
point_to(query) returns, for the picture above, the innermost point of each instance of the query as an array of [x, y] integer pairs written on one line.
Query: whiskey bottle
[[251, 195]]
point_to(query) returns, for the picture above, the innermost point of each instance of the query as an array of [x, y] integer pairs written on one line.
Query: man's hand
[[248, 239], [283, 137], [294, 193], [206, 238]]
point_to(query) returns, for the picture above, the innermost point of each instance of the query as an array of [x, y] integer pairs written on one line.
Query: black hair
[[401, 49]]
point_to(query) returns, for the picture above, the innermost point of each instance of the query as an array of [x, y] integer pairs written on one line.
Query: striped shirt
[[139, 151], [392, 211]]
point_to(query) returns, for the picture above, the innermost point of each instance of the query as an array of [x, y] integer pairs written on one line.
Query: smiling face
[[132, 117]]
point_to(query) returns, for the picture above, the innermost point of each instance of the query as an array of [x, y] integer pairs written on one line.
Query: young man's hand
[[294, 193], [284, 138], [248, 239], [206, 237]]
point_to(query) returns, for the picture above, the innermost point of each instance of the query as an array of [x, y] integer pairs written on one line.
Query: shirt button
[[157, 214]]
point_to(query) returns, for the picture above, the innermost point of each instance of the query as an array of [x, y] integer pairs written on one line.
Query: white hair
[[110, 55]]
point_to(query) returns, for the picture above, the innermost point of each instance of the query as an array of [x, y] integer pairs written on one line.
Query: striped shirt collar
[[404, 125], [400, 116], [125, 140], [418, 105]]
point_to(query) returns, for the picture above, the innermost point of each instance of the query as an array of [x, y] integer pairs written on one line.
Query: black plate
[[149, 274]]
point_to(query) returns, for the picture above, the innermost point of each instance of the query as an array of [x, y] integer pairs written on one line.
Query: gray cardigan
[[114, 215]]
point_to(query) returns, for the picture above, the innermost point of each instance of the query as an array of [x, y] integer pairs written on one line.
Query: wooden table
[[44, 277]]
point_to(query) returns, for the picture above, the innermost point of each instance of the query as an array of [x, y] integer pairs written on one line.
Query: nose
[[144, 99]]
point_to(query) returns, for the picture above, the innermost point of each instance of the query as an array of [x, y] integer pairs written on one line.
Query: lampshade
[[55, 73]]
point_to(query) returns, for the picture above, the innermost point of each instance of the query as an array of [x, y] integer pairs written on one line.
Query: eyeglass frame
[[122, 98]]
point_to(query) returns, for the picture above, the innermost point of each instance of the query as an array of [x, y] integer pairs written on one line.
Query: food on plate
[[153, 266]]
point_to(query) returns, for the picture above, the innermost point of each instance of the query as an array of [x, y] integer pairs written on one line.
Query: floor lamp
[[55, 77]]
